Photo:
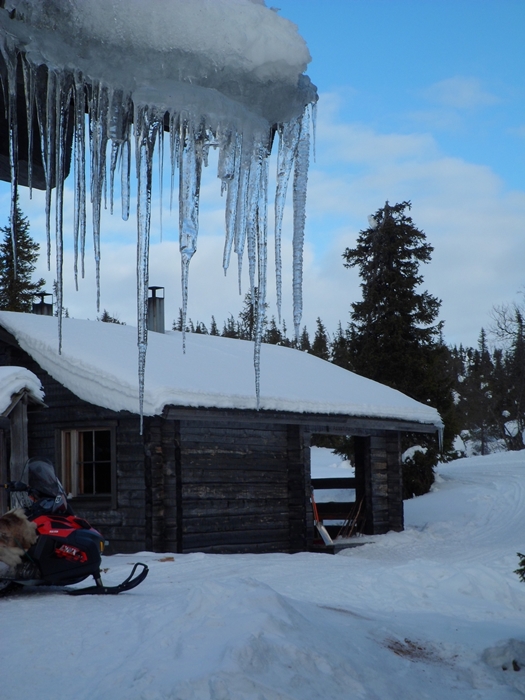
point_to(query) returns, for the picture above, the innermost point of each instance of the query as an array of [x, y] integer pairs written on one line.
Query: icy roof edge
[[244, 51]]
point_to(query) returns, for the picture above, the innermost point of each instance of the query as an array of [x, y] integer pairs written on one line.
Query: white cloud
[[461, 93]]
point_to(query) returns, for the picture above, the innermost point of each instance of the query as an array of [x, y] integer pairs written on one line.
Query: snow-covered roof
[[14, 380], [99, 364]]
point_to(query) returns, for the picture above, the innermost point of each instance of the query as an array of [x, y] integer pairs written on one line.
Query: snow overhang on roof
[[99, 364], [15, 381]]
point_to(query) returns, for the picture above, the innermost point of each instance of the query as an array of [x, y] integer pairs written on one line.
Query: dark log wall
[[239, 488]]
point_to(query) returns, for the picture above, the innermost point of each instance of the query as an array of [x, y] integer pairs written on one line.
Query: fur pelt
[[17, 534]]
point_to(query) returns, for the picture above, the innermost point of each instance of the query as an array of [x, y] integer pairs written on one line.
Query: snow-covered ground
[[434, 612]]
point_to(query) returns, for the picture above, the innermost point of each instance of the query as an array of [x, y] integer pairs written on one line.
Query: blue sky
[[420, 101]]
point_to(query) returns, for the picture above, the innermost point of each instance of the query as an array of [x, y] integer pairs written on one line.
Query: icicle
[[174, 151], [146, 127], [50, 155], [314, 129], [262, 256], [11, 59], [98, 118], [79, 216], [254, 183], [115, 151], [118, 128], [29, 89], [229, 173], [299, 217], [63, 99], [190, 174], [288, 139], [240, 220], [161, 174]]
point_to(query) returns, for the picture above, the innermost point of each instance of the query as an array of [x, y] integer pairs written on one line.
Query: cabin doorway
[[335, 487]]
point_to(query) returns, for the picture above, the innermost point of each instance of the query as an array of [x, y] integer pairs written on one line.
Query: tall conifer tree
[[393, 335], [16, 288]]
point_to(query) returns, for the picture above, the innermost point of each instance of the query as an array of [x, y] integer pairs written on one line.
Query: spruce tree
[[106, 317], [394, 337], [393, 327], [321, 343], [16, 288], [516, 375]]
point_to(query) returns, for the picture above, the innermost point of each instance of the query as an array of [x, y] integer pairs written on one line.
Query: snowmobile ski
[[126, 585]]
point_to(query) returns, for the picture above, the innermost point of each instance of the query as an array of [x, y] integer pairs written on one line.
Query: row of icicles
[[60, 100]]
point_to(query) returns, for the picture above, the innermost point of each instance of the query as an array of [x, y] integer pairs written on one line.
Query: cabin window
[[88, 462]]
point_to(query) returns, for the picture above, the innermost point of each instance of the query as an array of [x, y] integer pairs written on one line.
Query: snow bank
[[99, 364], [433, 612], [15, 379]]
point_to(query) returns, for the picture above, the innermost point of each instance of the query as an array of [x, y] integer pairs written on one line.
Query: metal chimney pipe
[[42, 308], [155, 320]]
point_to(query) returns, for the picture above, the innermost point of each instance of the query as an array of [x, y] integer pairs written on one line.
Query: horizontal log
[[203, 507], [254, 548], [336, 424], [343, 483], [235, 524], [335, 511], [191, 475], [233, 491], [235, 538]]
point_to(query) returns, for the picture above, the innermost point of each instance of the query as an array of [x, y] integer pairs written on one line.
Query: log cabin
[[210, 471]]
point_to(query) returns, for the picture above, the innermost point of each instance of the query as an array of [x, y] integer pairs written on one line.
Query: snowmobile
[[67, 549]]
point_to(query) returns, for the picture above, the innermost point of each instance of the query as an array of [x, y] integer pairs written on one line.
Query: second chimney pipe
[[155, 321]]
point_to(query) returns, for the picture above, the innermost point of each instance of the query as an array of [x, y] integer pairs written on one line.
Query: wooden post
[[4, 506], [379, 481], [298, 451], [362, 485], [19, 448], [395, 482]]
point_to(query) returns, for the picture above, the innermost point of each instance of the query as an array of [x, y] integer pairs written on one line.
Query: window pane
[[87, 485], [102, 445], [87, 461], [102, 478], [86, 445]]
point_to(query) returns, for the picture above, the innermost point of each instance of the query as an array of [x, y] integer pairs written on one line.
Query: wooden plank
[[335, 424], [246, 537], [328, 483], [335, 511]]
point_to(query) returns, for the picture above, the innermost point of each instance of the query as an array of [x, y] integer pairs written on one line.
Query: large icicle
[[262, 256], [98, 126], [288, 139], [79, 216], [63, 98], [190, 177], [29, 88], [146, 127], [299, 217], [229, 174], [11, 58]]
